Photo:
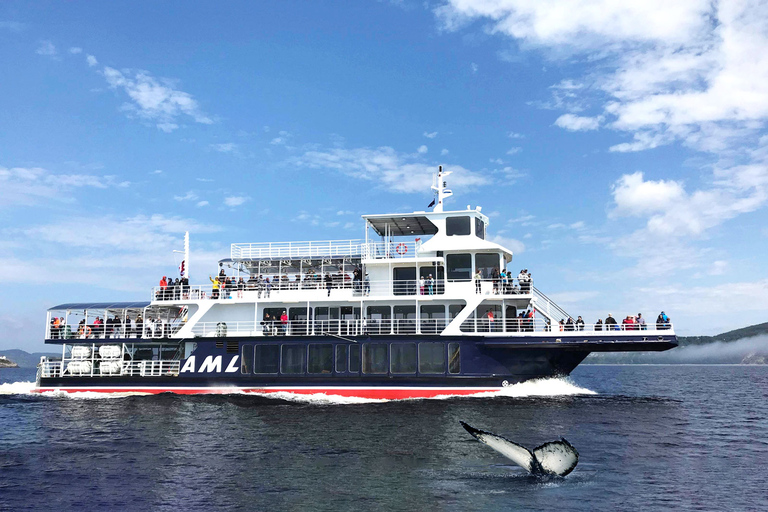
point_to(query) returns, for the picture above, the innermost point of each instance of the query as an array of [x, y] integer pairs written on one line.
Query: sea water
[[673, 437]]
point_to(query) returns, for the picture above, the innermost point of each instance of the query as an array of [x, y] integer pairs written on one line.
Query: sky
[[619, 149]]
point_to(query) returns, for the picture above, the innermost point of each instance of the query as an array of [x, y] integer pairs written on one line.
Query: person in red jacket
[[163, 287], [284, 322]]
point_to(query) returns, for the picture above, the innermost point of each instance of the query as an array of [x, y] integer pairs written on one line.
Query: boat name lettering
[[209, 365]]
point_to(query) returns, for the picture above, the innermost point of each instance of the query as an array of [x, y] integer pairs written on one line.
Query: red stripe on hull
[[373, 393]]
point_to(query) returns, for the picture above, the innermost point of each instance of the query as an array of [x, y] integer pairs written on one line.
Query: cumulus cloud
[[226, 147], [46, 48], [74, 50], [422, 149], [391, 170], [430, 135], [91, 60], [154, 99]]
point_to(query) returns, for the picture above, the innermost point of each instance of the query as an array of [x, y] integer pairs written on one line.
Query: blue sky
[[619, 148]]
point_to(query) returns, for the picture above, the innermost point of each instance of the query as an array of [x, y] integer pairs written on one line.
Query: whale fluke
[[553, 458]]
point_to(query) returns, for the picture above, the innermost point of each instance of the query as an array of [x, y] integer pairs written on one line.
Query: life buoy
[[401, 249]]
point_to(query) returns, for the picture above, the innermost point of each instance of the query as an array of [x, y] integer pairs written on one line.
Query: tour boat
[[417, 309]]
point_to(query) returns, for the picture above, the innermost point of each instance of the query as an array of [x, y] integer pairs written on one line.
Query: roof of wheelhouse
[[401, 224]]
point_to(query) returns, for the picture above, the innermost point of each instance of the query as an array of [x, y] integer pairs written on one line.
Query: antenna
[[439, 185]]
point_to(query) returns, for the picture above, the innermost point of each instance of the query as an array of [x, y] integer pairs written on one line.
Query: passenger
[[579, 324], [240, 288], [504, 282], [640, 321], [569, 324], [628, 324], [284, 322], [216, 284], [163, 287], [496, 280], [184, 282], [478, 279], [328, 282], [367, 284], [267, 288], [530, 318], [662, 322], [489, 316], [431, 284], [610, 323], [252, 283], [55, 325], [562, 325], [521, 278], [138, 326], [266, 324], [599, 325]]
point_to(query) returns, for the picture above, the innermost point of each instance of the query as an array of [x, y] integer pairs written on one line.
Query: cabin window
[[454, 358], [341, 358], [459, 266], [404, 280], [246, 359], [265, 358], [431, 358], [293, 359], [298, 319], [354, 358], [457, 226], [486, 263], [320, 358], [438, 274], [432, 318], [379, 319], [403, 358], [479, 228], [405, 319], [375, 358]]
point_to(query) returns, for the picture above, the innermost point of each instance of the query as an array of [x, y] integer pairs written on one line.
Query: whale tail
[[553, 458]]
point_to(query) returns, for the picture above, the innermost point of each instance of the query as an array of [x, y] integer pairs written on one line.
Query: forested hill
[[744, 332]]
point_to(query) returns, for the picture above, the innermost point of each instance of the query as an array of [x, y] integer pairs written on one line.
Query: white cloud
[[578, 123], [35, 185], [91, 60], [444, 152], [474, 67], [226, 147], [514, 245], [189, 196], [234, 201], [283, 138], [157, 171], [515, 135], [74, 50], [46, 48], [422, 149], [388, 168], [635, 196], [514, 151], [201, 204], [153, 99], [13, 26], [430, 135]]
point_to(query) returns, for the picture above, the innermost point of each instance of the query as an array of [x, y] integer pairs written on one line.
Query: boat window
[[246, 359], [432, 318], [479, 228], [375, 358], [298, 319], [293, 359], [320, 358], [438, 274], [379, 319], [341, 358], [459, 266], [403, 358], [484, 322], [454, 358], [404, 280], [486, 263], [405, 319], [354, 358], [457, 226], [431, 358], [265, 358]]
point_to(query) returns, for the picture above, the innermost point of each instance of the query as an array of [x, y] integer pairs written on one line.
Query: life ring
[[401, 249]]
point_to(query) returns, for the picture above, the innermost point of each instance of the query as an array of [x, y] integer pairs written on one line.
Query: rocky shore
[[7, 363]]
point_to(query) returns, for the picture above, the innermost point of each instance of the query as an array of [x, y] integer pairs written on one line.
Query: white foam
[[16, 388], [561, 386], [317, 398]]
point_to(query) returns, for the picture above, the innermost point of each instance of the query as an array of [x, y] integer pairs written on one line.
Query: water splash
[[16, 388]]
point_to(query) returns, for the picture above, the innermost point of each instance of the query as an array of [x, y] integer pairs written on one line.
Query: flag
[[431, 204], [182, 268]]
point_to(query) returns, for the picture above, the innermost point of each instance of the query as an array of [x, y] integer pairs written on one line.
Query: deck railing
[[304, 249], [95, 367]]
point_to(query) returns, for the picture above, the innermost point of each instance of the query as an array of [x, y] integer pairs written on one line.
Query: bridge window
[[457, 226], [479, 228], [431, 358], [375, 358], [403, 358], [404, 280], [265, 358], [246, 359], [454, 358], [293, 359], [459, 266], [486, 263], [341, 358]]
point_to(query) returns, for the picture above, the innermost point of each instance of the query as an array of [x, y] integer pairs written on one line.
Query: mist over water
[[731, 352]]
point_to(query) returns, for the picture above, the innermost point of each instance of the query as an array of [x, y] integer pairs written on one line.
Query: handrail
[[95, 367]]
